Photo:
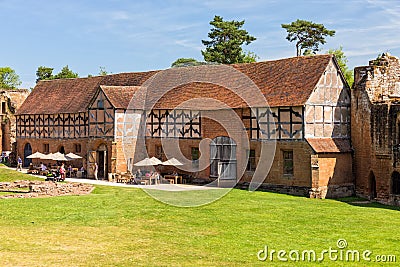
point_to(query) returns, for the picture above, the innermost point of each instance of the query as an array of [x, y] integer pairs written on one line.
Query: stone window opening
[[160, 153], [3, 108], [195, 157], [46, 148], [251, 162], [288, 163], [78, 148]]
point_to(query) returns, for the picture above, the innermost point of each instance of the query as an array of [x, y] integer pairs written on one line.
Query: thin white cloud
[[189, 44]]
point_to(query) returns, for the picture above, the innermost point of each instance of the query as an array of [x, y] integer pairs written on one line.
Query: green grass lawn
[[126, 227]]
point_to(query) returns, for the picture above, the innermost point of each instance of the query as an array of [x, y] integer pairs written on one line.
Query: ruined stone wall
[[12, 100], [375, 127], [29, 189]]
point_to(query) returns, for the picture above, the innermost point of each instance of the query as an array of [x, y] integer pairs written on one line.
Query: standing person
[[96, 169], [62, 172], [19, 164]]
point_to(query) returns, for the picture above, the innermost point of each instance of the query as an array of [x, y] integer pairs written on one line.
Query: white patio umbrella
[[73, 156], [48, 156], [60, 157], [148, 162], [172, 162], [156, 161], [36, 155]]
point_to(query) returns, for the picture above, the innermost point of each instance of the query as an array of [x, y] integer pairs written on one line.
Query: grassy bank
[[126, 227]]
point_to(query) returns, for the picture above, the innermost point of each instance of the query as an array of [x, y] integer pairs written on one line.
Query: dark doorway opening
[[396, 183], [27, 152], [101, 165], [372, 186]]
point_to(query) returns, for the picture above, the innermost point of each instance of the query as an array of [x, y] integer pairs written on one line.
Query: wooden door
[[90, 163]]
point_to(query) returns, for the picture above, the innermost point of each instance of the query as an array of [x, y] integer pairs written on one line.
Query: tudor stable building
[[301, 105]]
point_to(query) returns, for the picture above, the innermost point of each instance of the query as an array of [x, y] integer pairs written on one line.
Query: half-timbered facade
[[300, 104]]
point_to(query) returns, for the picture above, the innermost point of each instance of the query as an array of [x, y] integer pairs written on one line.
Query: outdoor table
[[175, 177]]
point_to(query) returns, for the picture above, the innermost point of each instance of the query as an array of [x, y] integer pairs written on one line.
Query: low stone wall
[[282, 189], [43, 189], [332, 191]]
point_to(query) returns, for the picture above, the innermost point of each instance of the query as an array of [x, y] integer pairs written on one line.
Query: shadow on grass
[[365, 203]]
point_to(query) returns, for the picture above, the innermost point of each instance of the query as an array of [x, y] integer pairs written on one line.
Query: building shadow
[[365, 203]]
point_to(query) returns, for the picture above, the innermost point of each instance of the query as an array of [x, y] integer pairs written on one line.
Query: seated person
[[31, 169], [82, 169], [69, 171], [138, 174], [42, 167]]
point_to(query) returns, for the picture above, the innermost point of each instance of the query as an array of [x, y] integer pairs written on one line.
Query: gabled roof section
[[74, 95], [287, 82], [120, 96]]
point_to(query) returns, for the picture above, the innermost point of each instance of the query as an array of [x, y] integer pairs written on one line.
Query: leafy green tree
[[250, 57], [8, 78], [44, 73], [185, 62], [307, 35], [226, 42], [103, 71], [342, 61], [65, 73]]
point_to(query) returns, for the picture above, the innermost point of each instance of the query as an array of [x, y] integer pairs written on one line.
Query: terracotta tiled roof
[[285, 82], [330, 145], [74, 95], [200, 96], [120, 96]]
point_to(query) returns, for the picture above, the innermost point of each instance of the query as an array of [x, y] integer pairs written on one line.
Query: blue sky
[[126, 36]]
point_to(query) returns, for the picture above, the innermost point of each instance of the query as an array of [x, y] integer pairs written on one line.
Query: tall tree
[[44, 73], [226, 42], [8, 78], [307, 35], [342, 61], [66, 73]]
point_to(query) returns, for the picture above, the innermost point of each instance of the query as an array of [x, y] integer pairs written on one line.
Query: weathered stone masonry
[[375, 131]]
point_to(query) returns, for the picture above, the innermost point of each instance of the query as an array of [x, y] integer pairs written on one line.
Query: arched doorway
[[27, 152], [372, 185], [223, 158], [395, 183], [62, 150]]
